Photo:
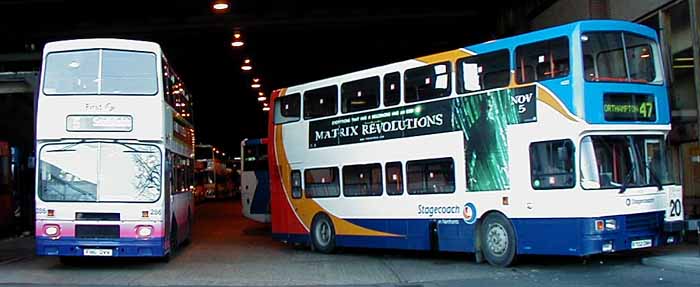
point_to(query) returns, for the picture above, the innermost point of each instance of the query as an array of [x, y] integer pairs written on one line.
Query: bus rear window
[[287, 108], [98, 72]]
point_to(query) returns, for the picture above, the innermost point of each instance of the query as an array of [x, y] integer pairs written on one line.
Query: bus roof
[[504, 43], [105, 43], [565, 29]]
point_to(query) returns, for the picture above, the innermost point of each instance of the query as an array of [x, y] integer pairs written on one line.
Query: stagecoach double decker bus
[[550, 142], [115, 151]]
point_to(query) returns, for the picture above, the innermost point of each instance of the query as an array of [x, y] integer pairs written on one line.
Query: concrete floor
[[228, 250]]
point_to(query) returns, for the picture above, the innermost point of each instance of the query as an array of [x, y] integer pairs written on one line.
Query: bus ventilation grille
[[97, 231], [643, 222]]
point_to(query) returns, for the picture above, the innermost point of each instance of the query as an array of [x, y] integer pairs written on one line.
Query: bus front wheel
[[323, 234], [498, 240]]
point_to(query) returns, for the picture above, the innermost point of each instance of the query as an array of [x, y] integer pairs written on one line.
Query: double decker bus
[[255, 180], [115, 149], [551, 142], [212, 175]]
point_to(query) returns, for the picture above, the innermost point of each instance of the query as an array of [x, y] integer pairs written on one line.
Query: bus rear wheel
[[323, 234], [498, 240]]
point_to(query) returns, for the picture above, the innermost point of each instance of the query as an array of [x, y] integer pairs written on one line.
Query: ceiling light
[[220, 5], [237, 40], [247, 65]]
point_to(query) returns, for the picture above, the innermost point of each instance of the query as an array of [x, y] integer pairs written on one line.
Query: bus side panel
[[415, 234], [284, 220], [261, 195]]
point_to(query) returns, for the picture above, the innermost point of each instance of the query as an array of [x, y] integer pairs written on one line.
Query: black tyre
[[323, 234], [498, 242]]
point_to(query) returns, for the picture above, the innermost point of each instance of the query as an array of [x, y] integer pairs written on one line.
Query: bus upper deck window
[[392, 89], [360, 95], [321, 102], [427, 82], [483, 72], [542, 60]]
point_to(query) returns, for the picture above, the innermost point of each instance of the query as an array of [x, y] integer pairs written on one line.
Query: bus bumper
[[123, 247]]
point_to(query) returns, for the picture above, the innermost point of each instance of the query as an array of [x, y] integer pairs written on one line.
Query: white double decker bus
[[551, 142], [115, 147]]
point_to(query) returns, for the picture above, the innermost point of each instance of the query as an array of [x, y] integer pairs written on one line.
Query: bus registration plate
[[641, 243], [97, 252]]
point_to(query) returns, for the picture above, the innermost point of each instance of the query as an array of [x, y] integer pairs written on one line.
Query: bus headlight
[[52, 230], [610, 224], [144, 231]]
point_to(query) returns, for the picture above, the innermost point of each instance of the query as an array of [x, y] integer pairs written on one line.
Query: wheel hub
[[497, 239]]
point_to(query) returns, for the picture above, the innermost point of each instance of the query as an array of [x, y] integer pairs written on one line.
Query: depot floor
[[228, 250]]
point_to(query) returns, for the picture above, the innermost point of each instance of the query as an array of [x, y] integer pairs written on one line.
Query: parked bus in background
[[211, 175], [115, 151], [550, 142], [255, 180]]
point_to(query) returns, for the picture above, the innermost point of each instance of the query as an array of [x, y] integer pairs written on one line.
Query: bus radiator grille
[[97, 231], [643, 222]]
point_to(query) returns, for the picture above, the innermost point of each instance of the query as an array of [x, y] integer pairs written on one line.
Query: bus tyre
[[498, 240], [323, 234]]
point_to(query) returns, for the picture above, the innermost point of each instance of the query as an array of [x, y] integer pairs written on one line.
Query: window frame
[[368, 167], [519, 48], [448, 88], [426, 162], [336, 176], [402, 178], [460, 71], [159, 73], [573, 165], [286, 119], [296, 189], [305, 102], [399, 89]]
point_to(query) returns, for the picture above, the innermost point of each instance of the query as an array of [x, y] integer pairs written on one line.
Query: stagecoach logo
[[469, 213], [630, 202], [108, 107]]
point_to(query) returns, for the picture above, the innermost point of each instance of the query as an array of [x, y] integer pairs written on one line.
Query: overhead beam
[[20, 57], [273, 21]]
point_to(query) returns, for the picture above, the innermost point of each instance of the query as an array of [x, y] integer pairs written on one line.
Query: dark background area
[[289, 42]]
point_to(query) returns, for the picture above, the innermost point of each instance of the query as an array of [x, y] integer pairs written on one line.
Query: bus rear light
[[52, 230], [144, 231], [50, 213], [599, 225]]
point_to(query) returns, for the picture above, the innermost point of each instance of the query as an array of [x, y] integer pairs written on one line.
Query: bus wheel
[[498, 240], [323, 234]]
